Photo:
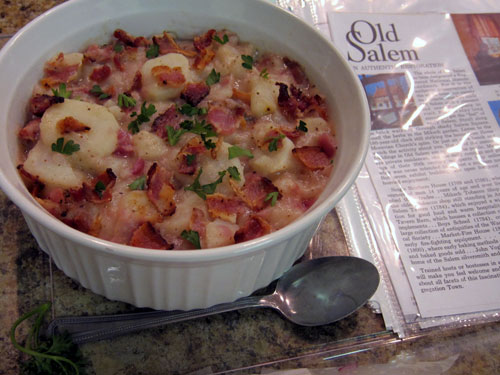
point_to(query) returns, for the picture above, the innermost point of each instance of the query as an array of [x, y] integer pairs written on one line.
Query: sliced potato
[[148, 145], [52, 168], [154, 90], [268, 163], [263, 97], [93, 127]]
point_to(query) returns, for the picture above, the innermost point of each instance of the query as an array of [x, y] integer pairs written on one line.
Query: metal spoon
[[314, 292]]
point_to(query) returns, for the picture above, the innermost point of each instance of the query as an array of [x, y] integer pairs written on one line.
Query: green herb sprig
[[144, 116], [264, 73], [273, 197], [193, 237], [62, 92], [66, 149], [236, 152], [273, 144], [189, 110], [54, 355], [153, 51], [222, 41], [212, 78], [247, 62], [96, 90], [302, 126], [126, 101], [138, 184], [203, 190]]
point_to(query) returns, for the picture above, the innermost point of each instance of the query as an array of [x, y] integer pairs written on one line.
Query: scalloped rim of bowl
[[32, 209]]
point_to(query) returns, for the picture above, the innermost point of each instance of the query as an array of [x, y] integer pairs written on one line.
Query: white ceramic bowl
[[177, 279]]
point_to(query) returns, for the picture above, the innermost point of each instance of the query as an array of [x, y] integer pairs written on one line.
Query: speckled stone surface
[[250, 341]]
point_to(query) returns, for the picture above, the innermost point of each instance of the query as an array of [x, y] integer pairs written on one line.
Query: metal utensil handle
[[85, 329]]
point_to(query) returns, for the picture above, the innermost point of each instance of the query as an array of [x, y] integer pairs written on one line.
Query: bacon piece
[[99, 190], [223, 119], [40, 103], [30, 133], [165, 75], [255, 227], [160, 191], [167, 44], [255, 190], [295, 104], [194, 146], [245, 97], [118, 62], [298, 74], [138, 167], [33, 183], [224, 207], [198, 222], [170, 117], [201, 42], [130, 40], [291, 133], [203, 58], [100, 74], [147, 237], [194, 93], [287, 105], [124, 146], [312, 157], [80, 220], [98, 54], [58, 72], [56, 195], [137, 82], [71, 125], [328, 144]]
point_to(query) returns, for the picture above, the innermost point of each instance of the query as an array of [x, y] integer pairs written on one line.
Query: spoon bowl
[[311, 293], [324, 290]]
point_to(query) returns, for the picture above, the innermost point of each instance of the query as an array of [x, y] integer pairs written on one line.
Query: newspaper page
[[433, 87]]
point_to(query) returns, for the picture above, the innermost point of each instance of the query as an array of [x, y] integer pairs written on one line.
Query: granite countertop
[[247, 341]]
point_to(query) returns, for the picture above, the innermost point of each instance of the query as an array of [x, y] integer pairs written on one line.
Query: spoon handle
[[85, 329]]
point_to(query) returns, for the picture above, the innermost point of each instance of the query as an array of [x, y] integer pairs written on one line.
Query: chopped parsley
[[234, 173], [144, 116], [222, 41], [53, 355], [118, 47], [264, 73], [247, 61], [125, 100], [189, 110], [302, 126], [192, 236], [138, 184], [153, 51], [203, 129], [174, 135], [273, 144], [190, 159], [65, 149], [203, 190], [99, 188], [212, 78], [62, 92], [236, 151], [96, 90], [273, 197]]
